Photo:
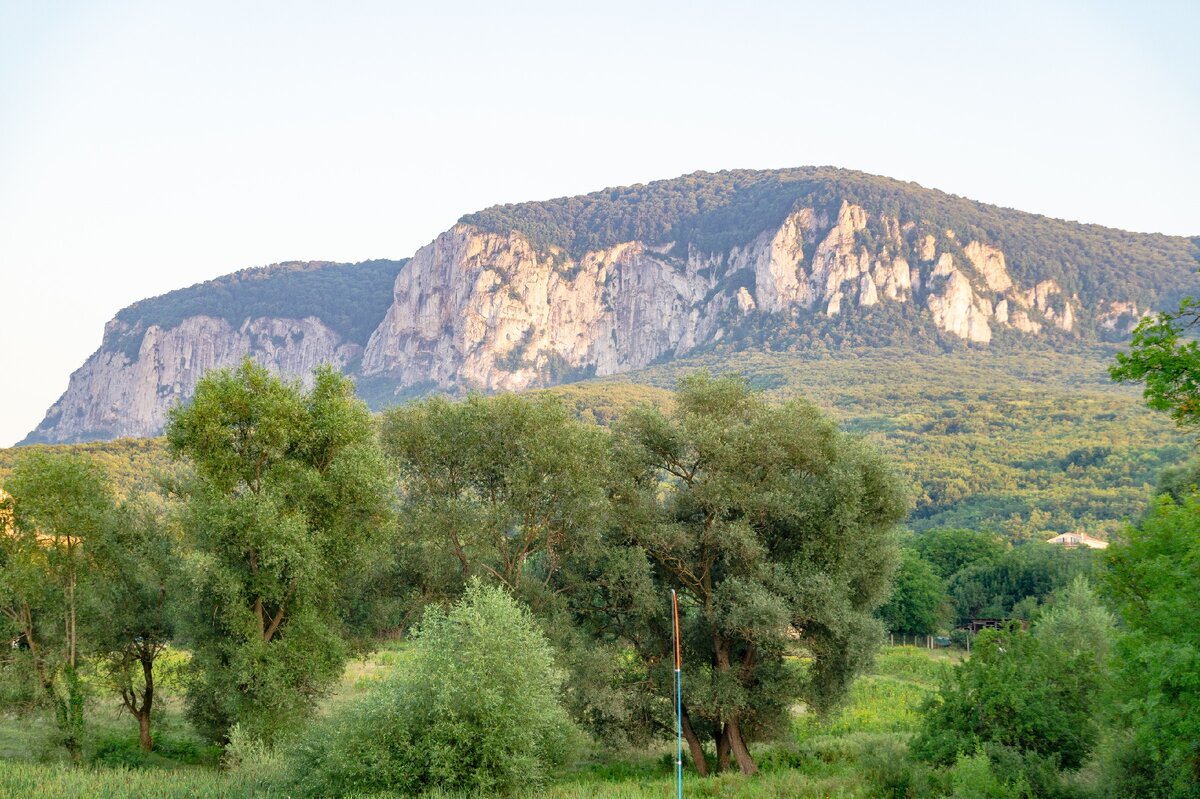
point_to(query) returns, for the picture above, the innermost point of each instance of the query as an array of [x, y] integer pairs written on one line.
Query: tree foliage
[[1167, 364], [1013, 586], [1154, 577], [476, 708], [762, 518], [918, 597], [290, 497], [504, 488], [948, 550]]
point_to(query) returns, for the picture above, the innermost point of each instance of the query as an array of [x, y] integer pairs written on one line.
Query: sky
[[147, 146]]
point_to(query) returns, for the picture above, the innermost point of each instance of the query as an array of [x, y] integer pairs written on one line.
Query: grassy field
[[820, 759]]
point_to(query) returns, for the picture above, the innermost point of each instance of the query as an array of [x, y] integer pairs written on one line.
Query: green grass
[[821, 759], [58, 781]]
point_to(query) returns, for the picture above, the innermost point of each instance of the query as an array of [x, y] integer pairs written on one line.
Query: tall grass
[[59, 781], [822, 759]]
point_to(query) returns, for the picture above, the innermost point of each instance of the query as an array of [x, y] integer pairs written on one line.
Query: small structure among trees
[[1072, 540]]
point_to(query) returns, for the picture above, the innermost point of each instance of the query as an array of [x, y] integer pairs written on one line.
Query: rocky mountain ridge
[[522, 296]]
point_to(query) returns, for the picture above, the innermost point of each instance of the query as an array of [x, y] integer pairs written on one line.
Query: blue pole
[[678, 703]]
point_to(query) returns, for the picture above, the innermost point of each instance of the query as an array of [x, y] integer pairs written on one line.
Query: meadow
[[821, 758]]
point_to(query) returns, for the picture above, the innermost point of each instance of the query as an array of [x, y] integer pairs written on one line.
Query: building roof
[[1078, 540]]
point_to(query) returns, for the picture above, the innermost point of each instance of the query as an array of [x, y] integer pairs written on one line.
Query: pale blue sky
[[146, 146]]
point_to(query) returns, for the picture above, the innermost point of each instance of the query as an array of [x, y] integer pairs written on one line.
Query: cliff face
[[490, 311], [485, 310], [539, 293], [112, 395]]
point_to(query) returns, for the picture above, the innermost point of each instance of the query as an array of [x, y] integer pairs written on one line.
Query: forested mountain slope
[[1026, 443], [811, 260]]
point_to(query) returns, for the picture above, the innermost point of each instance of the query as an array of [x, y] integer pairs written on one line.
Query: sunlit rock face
[[485, 306], [113, 395], [491, 311]]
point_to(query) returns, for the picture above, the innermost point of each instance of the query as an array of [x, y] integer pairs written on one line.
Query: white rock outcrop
[[491, 311], [111, 396]]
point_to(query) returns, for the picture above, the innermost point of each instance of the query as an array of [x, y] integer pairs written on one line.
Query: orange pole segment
[[675, 611]]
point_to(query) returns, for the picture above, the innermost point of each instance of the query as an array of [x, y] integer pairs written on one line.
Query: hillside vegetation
[[350, 299], [1026, 443], [714, 211], [1023, 443]]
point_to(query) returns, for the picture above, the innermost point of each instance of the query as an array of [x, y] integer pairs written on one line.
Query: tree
[[1154, 578], [61, 511], [1167, 366], [1078, 623], [290, 499], [916, 604], [140, 565], [949, 550], [762, 518], [512, 490], [504, 488], [475, 708], [1017, 693]]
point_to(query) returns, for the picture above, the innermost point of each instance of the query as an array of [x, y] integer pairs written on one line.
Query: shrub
[[476, 709], [1018, 693]]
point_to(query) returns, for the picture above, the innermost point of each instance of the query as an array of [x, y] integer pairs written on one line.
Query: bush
[[1017, 693], [893, 775], [124, 751], [974, 777], [476, 709]]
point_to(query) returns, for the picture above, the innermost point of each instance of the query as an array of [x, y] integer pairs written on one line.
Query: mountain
[[540, 293]]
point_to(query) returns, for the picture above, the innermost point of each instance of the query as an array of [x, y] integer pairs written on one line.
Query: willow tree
[[771, 525], [290, 495], [504, 488]]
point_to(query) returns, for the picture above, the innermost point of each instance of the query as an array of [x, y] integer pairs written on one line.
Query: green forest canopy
[[350, 299], [1021, 443]]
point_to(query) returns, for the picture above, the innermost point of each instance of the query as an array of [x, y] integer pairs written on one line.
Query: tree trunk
[[144, 738], [731, 730], [723, 749], [694, 746], [744, 761], [143, 713]]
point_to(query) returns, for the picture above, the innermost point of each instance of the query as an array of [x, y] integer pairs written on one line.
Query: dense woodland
[[350, 299], [500, 565], [713, 212]]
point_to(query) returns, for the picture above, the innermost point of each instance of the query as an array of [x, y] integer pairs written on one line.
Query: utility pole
[[678, 702]]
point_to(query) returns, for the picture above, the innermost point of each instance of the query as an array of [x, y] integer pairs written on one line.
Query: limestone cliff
[[538, 293], [290, 317], [112, 395], [492, 311]]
